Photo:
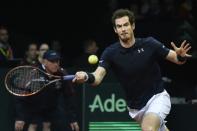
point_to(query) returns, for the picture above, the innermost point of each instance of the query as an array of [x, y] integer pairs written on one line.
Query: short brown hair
[[121, 13]]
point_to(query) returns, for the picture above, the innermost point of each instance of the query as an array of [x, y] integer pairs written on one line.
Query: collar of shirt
[[43, 66], [125, 50]]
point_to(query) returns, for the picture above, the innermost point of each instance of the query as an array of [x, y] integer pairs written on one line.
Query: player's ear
[[115, 30]]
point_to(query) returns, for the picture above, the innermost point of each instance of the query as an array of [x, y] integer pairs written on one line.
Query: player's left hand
[[74, 126], [183, 49]]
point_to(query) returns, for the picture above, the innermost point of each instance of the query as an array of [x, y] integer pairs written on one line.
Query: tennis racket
[[28, 80]]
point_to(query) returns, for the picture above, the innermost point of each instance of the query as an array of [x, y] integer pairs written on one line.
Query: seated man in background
[[43, 107]]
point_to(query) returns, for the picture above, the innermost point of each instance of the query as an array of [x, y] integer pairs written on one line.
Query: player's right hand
[[80, 77], [19, 125]]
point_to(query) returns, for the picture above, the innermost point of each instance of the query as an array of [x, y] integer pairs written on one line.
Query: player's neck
[[128, 43]]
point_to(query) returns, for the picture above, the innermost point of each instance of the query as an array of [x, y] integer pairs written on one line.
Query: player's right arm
[[94, 78], [99, 74]]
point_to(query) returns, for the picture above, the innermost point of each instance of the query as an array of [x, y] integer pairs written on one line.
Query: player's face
[[52, 66], [123, 28]]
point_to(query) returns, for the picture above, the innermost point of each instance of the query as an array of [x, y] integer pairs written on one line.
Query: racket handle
[[68, 77]]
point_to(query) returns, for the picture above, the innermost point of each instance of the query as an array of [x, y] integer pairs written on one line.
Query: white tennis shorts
[[159, 104]]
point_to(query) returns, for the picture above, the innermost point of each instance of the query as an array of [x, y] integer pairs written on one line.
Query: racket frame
[[57, 78]]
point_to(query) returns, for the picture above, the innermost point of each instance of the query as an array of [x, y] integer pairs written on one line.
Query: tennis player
[[43, 107], [135, 63]]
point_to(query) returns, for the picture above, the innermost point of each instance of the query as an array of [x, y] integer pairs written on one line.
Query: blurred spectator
[[185, 31], [113, 5], [5, 48], [154, 10], [136, 10], [145, 7], [31, 57], [90, 47], [168, 9], [185, 25], [157, 9], [42, 49], [184, 10]]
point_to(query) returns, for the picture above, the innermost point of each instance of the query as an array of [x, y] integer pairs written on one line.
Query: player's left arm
[[180, 54]]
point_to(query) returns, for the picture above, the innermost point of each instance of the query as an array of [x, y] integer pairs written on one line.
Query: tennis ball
[[92, 59]]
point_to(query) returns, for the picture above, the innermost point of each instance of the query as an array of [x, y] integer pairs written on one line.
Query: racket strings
[[36, 81], [25, 81]]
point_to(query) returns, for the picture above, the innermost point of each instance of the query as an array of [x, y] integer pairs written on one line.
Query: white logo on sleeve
[[140, 50], [101, 61]]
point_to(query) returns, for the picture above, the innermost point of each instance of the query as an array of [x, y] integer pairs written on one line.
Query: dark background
[[72, 22]]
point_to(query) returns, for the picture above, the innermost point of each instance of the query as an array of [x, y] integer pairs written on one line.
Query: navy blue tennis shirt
[[136, 69]]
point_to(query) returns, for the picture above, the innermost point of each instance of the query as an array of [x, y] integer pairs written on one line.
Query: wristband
[[181, 59], [90, 78]]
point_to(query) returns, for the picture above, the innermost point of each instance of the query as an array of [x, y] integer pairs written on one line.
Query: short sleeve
[[105, 59], [160, 49]]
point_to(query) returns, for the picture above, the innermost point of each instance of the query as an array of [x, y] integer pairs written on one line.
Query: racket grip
[[68, 77]]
